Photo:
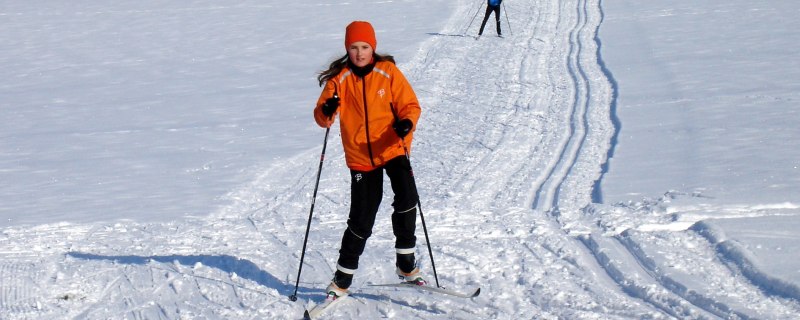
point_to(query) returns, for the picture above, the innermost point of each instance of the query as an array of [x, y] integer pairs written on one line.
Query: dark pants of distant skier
[[366, 194], [489, 10]]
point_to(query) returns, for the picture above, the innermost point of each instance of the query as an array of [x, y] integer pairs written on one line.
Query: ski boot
[[413, 277], [338, 287]]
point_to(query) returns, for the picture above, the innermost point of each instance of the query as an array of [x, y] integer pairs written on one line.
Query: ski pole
[[424, 227], [509, 23], [480, 5], [293, 297], [419, 205]]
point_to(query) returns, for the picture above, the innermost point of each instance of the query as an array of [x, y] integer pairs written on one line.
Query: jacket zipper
[[366, 118]]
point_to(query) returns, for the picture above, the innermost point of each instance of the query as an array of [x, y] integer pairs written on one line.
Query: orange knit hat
[[360, 31]]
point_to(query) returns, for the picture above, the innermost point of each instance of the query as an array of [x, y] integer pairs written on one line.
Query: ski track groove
[[714, 307], [547, 195], [17, 288]]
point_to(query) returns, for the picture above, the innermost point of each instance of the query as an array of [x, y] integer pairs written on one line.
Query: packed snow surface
[[602, 160]]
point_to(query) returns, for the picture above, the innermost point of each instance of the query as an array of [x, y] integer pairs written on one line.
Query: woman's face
[[360, 53]]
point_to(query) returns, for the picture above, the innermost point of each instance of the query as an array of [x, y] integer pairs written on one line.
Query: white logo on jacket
[[381, 92]]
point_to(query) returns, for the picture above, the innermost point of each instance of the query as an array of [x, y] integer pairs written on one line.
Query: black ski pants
[[366, 192], [489, 10]]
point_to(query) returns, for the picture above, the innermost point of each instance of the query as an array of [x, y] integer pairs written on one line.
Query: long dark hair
[[339, 64]]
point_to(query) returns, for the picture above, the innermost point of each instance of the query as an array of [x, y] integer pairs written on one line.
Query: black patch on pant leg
[[404, 225]]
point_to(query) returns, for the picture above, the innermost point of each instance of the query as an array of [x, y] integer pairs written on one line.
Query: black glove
[[330, 106], [402, 127]]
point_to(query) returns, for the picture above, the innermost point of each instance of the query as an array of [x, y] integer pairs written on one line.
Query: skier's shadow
[[243, 268], [386, 297]]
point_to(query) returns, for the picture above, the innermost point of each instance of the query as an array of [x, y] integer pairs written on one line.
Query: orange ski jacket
[[365, 114]]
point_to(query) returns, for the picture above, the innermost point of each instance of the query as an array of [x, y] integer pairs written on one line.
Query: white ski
[[319, 309], [468, 295]]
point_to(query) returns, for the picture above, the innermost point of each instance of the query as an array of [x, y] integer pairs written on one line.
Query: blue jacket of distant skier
[[494, 3]]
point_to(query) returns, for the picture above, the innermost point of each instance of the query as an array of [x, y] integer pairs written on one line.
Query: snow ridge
[[597, 192], [738, 256]]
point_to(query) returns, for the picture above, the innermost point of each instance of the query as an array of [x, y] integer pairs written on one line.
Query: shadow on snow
[[243, 268]]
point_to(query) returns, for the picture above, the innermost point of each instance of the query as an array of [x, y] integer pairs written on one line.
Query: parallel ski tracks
[[18, 288], [587, 122]]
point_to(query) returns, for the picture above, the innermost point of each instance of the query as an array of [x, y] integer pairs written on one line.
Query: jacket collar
[[361, 71]]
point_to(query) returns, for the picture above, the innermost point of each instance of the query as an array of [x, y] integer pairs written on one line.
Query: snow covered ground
[[605, 159]]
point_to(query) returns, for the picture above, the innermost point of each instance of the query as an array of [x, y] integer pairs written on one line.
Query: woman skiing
[[378, 111], [492, 6]]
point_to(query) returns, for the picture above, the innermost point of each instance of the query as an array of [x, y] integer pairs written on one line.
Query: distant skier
[[492, 6], [377, 110]]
